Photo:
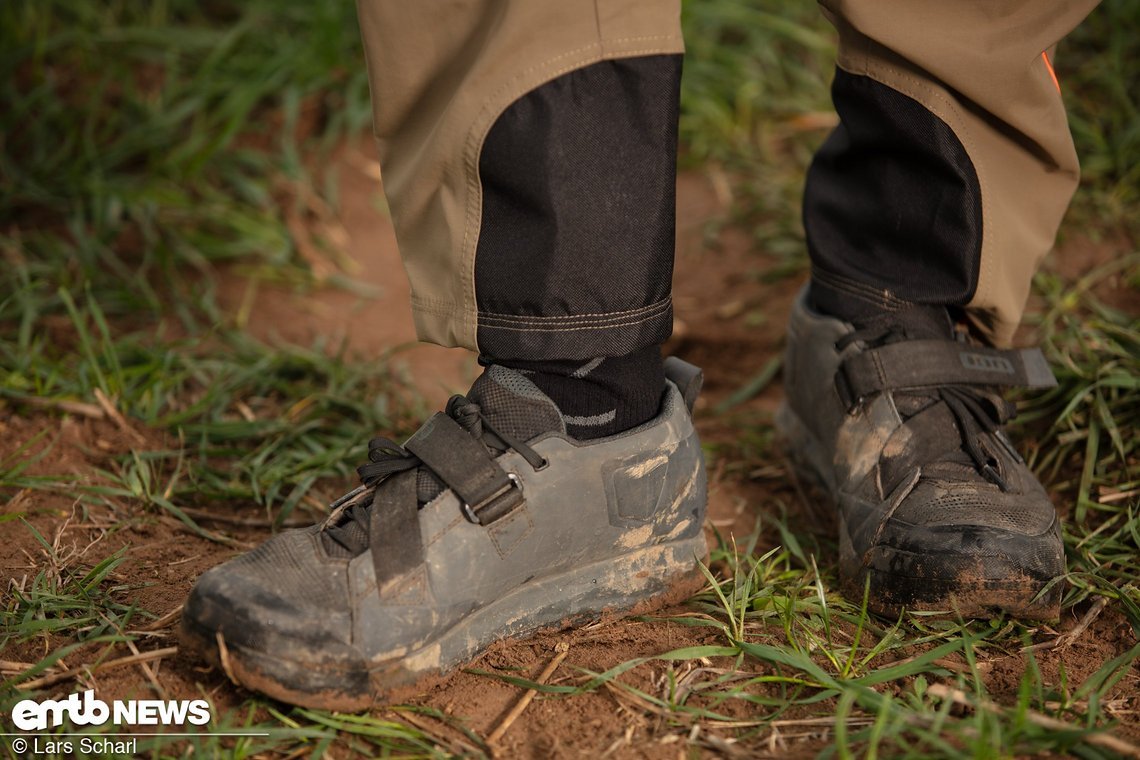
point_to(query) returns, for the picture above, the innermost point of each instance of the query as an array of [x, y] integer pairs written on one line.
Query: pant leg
[[528, 154], [952, 165]]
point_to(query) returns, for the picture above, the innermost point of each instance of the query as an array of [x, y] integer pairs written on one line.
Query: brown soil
[[729, 321], [377, 322]]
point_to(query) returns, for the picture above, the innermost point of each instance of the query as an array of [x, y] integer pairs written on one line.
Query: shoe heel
[[688, 378]]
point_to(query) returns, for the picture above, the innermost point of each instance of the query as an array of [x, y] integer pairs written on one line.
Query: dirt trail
[[729, 321]]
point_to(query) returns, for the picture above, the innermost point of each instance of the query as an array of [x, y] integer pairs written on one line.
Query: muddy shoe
[[488, 523], [899, 425]]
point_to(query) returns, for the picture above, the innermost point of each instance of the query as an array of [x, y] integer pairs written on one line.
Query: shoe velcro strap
[[466, 467], [931, 363], [394, 528]]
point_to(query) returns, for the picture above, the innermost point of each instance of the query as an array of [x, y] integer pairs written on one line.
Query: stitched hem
[[574, 337], [616, 319]]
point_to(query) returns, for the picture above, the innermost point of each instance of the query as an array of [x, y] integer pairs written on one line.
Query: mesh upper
[[935, 504], [514, 405]]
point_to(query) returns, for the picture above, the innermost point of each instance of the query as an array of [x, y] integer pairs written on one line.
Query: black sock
[[601, 396]]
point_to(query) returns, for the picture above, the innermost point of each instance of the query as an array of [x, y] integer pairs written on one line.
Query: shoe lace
[[975, 415], [348, 521]]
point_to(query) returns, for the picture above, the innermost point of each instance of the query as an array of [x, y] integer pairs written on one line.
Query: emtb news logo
[[87, 710]]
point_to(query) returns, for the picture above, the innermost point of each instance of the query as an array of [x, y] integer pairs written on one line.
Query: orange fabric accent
[[1052, 73]]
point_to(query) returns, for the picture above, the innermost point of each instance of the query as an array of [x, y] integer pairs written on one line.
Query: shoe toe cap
[[949, 505], [285, 596], [946, 530]]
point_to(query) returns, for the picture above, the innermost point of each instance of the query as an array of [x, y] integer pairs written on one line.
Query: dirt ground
[[729, 321]]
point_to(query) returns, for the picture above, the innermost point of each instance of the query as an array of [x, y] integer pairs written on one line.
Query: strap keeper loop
[[497, 505]]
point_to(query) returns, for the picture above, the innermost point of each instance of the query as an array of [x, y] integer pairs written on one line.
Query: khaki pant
[[442, 72]]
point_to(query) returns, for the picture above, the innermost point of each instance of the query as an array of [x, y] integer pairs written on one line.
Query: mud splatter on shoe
[[899, 425], [489, 523]]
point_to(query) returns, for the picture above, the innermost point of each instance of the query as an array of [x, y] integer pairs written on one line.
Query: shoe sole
[[635, 583], [890, 593]]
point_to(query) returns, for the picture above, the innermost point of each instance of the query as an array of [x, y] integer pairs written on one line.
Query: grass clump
[[754, 105], [1086, 449], [1099, 66], [144, 139], [240, 421], [64, 595]]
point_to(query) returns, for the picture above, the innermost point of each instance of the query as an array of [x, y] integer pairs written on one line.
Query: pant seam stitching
[[609, 315], [572, 327]]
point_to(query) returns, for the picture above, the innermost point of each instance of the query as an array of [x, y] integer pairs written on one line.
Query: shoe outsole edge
[[634, 583], [1017, 593]]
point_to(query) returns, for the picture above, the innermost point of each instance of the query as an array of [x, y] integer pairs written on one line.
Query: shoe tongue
[[514, 405]]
